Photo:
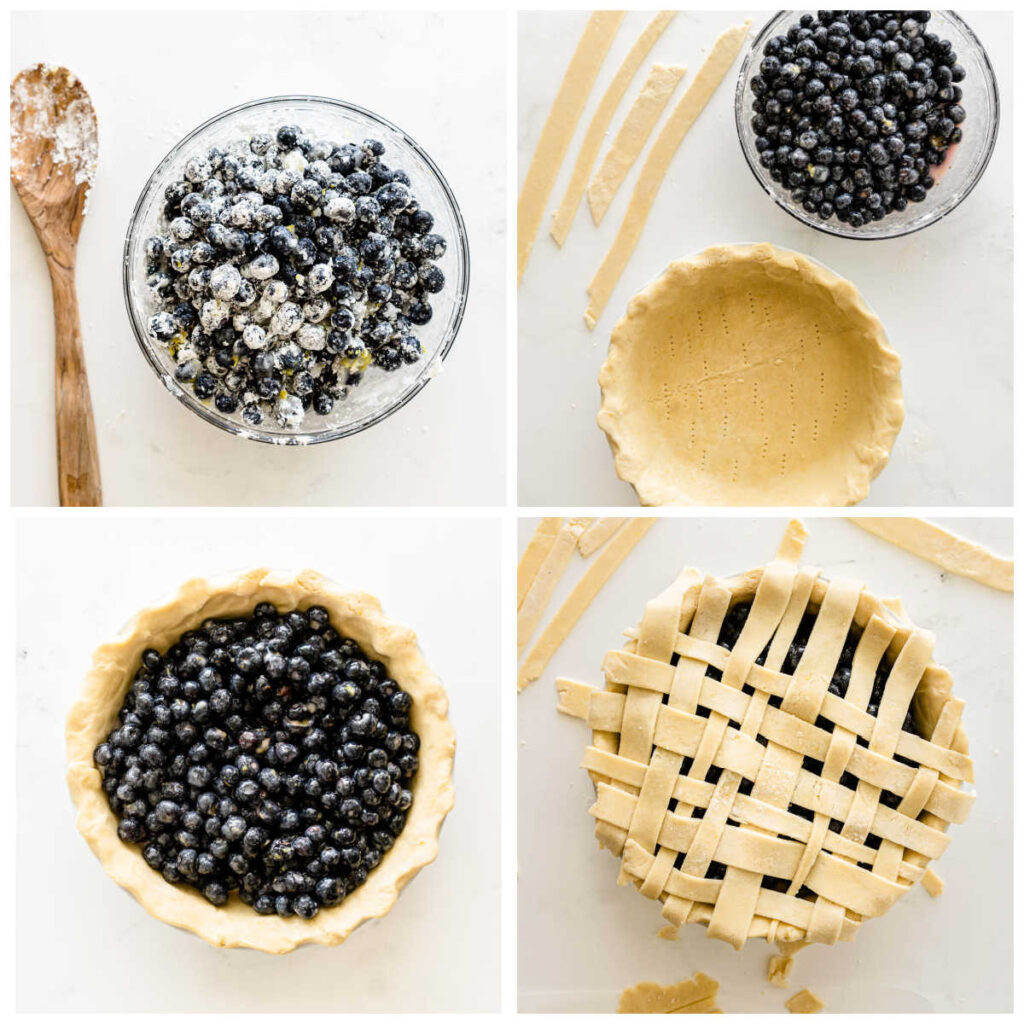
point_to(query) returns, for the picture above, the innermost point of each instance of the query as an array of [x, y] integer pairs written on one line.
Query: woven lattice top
[[775, 755]]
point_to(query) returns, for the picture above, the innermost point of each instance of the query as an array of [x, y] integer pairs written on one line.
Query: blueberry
[[393, 197], [359, 182], [268, 387], [420, 313], [306, 195], [282, 241], [367, 211], [433, 245], [410, 349], [388, 358], [251, 414], [305, 253], [432, 278], [204, 386], [323, 403], [225, 402], [163, 326], [422, 221]]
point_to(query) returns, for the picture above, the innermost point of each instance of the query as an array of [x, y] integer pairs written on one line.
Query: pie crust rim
[[629, 442], [354, 614]]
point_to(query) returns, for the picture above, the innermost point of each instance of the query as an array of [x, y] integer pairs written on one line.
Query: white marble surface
[[582, 939], [83, 943], [944, 294], [427, 73]]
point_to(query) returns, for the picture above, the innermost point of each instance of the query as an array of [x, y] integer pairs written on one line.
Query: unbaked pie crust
[[691, 770], [355, 615], [750, 375]]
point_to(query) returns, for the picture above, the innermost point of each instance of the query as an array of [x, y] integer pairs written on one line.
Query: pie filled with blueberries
[[264, 760], [775, 755]]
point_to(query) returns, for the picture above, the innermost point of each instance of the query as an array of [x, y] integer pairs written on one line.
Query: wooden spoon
[[54, 146]]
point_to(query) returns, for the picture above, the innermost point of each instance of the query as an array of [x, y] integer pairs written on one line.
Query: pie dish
[[116, 668], [750, 375], [775, 755]]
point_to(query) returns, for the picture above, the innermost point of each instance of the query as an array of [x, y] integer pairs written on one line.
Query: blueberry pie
[[775, 754], [264, 760]]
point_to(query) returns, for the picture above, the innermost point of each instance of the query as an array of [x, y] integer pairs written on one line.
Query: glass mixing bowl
[[380, 393], [963, 168]]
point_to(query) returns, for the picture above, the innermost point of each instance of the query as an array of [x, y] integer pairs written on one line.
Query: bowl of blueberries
[[867, 124], [296, 269]]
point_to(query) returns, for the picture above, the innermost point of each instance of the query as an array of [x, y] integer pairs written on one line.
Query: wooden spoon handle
[[78, 463]]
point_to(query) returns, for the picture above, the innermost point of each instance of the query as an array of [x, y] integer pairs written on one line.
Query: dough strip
[[559, 127], [596, 534], [566, 212], [597, 575], [681, 120], [946, 550], [534, 555], [536, 601], [632, 137]]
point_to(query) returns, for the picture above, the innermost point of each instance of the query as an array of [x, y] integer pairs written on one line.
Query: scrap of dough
[[947, 550], [632, 137], [597, 533], [694, 100], [534, 555], [805, 1001], [695, 995], [933, 884], [779, 970], [670, 933], [539, 594], [597, 575], [559, 127], [566, 211]]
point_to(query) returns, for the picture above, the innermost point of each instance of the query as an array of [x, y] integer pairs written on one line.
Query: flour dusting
[[39, 110]]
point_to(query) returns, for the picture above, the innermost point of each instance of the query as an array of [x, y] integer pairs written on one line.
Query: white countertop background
[[83, 944], [944, 294], [582, 940], [428, 73]]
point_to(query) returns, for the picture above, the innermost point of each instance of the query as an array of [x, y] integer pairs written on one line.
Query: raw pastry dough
[[779, 970], [353, 614], [694, 100], [805, 1001], [559, 127], [566, 211], [536, 600], [947, 550], [695, 995], [933, 884], [750, 375], [632, 136], [534, 555], [596, 576], [597, 533]]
